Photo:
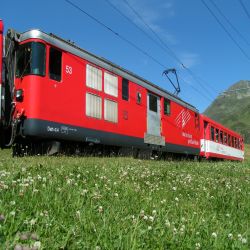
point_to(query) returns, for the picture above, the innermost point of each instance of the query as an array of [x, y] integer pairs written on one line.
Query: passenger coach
[[218, 141]]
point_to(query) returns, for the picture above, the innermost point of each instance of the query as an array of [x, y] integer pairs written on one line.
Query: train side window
[[110, 111], [232, 141], [138, 97], [212, 133], [217, 135], [229, 140], [93, 106], [221, 137], [55, 64], [166, 106], [125, 89], [153, 103], [110, 84], [93, 77], [225, 138]]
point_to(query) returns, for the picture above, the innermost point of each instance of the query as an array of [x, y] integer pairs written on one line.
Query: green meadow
[[123, 203]]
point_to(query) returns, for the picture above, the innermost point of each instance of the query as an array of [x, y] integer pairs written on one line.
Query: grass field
[[123, 203]]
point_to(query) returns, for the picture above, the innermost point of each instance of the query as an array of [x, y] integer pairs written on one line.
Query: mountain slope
[[232, 108]]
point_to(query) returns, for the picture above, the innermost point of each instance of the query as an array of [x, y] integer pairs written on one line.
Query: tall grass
[[122, 203]]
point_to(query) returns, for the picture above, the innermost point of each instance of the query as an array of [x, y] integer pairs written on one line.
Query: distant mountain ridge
[[232, 108]]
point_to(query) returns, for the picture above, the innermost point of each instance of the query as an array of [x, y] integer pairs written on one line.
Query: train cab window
[[166, 106], [229, 140], [138, 97], [30, 59], [125, 89], [153, 103], [221, 137], [217, 135], [212, 133], [55, 64]]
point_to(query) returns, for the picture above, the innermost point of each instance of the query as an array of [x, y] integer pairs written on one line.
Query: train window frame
[[138, 97], [221, 136], [153, 103], [110, 116], [28, 56], [225, 138], [167, 107], [125, 89], [110, 84], [229, 140], [93, 77], [212, 133], [56, 75], [216, 135], [88, 108]]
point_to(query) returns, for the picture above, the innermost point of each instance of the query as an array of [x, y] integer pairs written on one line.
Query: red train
[[58, 97]]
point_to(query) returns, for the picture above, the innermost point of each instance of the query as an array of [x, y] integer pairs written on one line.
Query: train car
[[219, 142], [60, 94]]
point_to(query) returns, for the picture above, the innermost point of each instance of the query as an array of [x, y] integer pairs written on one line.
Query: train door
[[153, 115]]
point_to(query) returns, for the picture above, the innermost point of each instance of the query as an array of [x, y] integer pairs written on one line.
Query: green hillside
[[232, 108]]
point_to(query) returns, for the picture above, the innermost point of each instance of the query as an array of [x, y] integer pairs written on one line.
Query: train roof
[[102, 62]]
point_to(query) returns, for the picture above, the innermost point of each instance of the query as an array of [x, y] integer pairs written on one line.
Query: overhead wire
[[115, 33], [172, 53], [225, 29], [230, 23], [129, 42], [244, 8]]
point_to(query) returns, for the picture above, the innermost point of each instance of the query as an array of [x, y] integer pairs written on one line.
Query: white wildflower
[[13, 213], [243, 240], [197, 245], [151, 218], [37, 244], [167, 223], [214, 235], [78, 213], [32, 221], [100, 209]]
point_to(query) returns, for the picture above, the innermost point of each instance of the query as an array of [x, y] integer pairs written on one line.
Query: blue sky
[[186, 27]]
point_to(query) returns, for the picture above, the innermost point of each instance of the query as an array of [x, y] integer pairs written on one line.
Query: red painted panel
[[180, 126]]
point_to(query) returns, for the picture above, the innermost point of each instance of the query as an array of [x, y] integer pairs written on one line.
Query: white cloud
[[152, 12]]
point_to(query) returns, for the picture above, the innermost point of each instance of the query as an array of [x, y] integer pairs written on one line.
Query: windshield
[[30, 59]]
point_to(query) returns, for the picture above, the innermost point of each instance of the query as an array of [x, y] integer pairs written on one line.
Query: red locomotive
[[58, 97]]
